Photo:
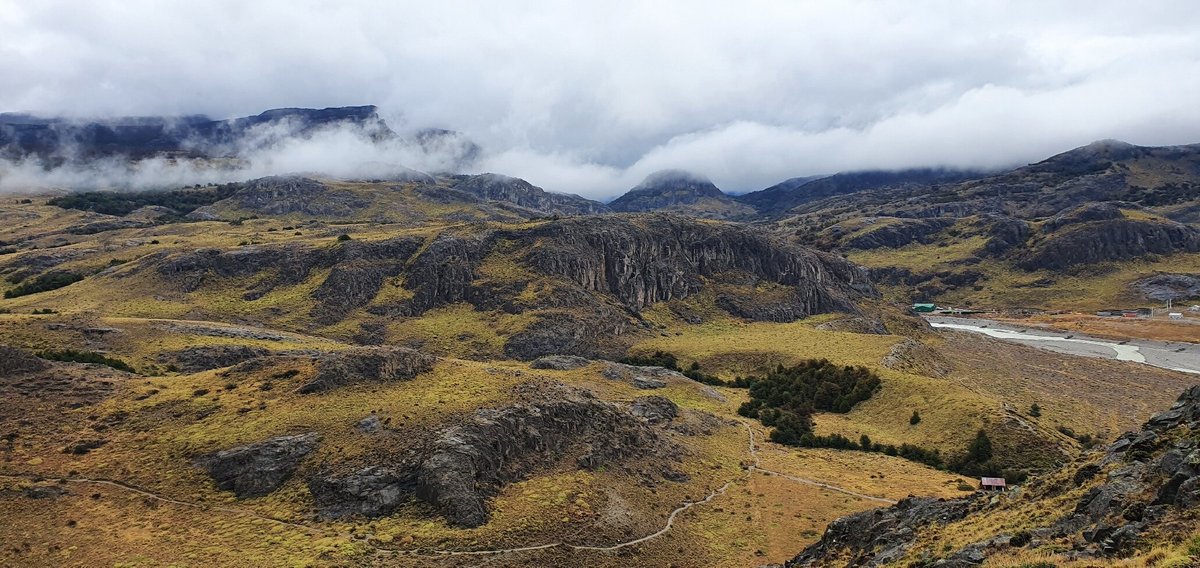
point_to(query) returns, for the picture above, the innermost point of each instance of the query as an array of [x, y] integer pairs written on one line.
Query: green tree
[[980, 450], [915, 418], [1035, 410]]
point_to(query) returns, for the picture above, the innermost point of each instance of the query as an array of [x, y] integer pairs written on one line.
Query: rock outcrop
[[880, 536], [1118, 239], [1167, 286], [521, 193], [367, 364], [463, 465], [257, 469], [560, 362], [899, 232], [1145, 482], [204, 357]]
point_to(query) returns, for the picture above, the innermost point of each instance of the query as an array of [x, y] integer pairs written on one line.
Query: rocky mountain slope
[[1121, 501]]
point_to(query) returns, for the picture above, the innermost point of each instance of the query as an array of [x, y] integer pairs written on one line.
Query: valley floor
[[1176, 356]]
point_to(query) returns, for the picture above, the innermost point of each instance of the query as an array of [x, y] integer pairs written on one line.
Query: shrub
[[792, 394], [113, 203], [1035, 410], [44, 283], [343, 237], [915, 418], [73, 356]]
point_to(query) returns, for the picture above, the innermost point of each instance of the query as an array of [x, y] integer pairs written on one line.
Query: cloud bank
[[590, 97]]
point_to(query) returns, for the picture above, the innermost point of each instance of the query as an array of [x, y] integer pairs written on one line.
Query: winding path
[[670, 523]]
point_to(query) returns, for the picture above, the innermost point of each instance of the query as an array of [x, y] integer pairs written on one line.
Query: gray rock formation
[[560, 362], [465, 465], [257, 469], [373, 491], [640, 377], [1167, 286], [899, 233], [1117, 239], [1151, 478], [367, 364], [654, 409], [880, 536], [204, 357]]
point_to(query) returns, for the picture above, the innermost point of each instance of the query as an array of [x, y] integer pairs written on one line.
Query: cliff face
[[1139, 490], [1117, 239], [593, 275]]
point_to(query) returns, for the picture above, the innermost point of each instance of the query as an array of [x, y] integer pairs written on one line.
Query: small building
[[924, 308], [992, 484], [1175, 315]]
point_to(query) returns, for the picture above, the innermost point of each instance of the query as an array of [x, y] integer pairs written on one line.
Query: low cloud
[[590, 98]]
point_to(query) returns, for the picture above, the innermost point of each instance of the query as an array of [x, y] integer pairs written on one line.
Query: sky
[[590, 97]]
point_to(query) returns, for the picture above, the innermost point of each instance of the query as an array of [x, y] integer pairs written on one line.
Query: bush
[[789, 396], [915, 418], [343, 237], [44, 283], [1035, 410], [183, 201], [73, 356]]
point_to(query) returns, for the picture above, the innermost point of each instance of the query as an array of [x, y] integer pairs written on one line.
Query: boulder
[[560, 362], [257, 469], [374, 491], [367, 364], [654, 409]]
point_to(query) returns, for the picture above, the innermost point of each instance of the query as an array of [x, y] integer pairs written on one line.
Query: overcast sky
[[590, 97]]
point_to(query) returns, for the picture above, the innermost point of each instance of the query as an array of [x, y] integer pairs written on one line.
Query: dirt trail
[[670, 523]]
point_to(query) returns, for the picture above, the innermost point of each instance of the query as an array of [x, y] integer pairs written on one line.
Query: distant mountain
[[495, 187], [680, 191], [60, 140], [23, 135], [782, 197]]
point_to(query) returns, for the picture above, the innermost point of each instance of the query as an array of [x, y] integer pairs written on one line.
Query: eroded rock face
[[654, 409], [257, 469], [461, 466], [640, 377], [373, 491], [913, 356], [1137, 484], [663, 257], [1162, 287], [880, 536], [367, 364], [900, 233], [204, 357], [465, 465], [1118, 239], [560, 362]]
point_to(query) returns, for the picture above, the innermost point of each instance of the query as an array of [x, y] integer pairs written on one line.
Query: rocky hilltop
[[679, 191], [519, 192], [1142, 488]]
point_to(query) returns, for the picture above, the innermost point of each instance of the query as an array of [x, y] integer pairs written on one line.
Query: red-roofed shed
[[992, 483]]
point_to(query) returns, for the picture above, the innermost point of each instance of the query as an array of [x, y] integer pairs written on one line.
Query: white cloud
[[589, 97]]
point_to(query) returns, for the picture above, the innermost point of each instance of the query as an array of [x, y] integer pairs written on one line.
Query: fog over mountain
[[591, 99]]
